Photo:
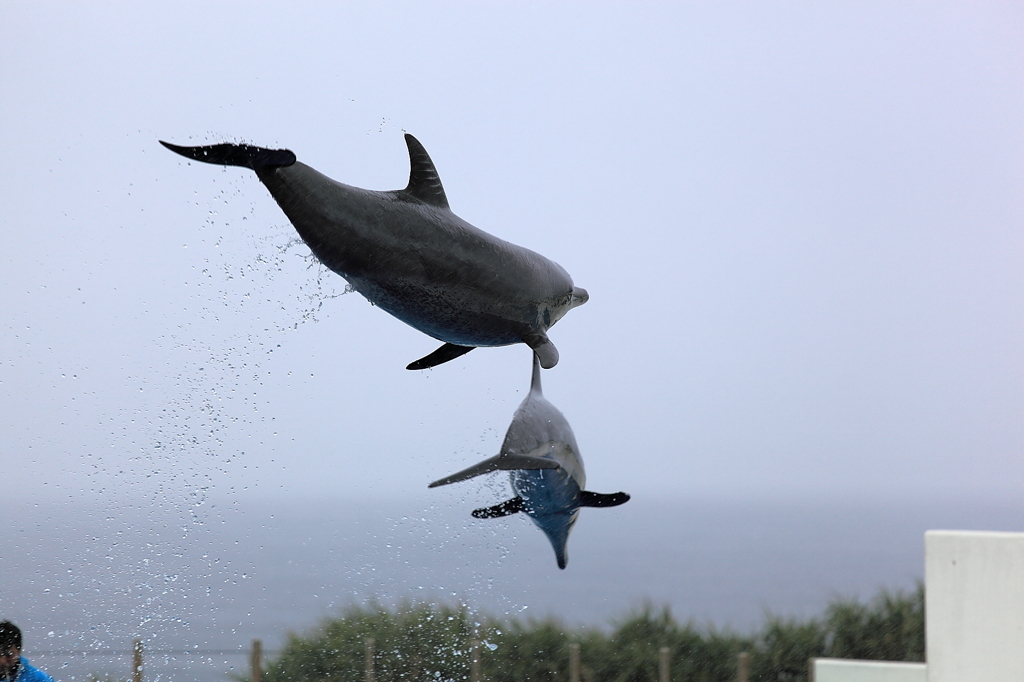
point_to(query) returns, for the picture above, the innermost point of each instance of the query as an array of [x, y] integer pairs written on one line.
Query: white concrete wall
[[847, 670], [974, 606]]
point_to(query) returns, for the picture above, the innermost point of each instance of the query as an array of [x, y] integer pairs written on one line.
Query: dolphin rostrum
[[545, 469], [406, 252]]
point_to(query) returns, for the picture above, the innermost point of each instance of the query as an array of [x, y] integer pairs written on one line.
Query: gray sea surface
[[197, 582]]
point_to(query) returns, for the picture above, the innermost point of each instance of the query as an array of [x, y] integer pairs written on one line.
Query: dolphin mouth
[[579, 297]]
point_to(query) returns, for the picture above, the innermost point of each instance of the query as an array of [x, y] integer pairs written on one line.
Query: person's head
[[10, 649]]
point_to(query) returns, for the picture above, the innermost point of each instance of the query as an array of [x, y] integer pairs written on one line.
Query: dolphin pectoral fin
[[542, 346], [497, 463], [506, 508], [589, 499], [485, 467], [448, 351], [511, 462]]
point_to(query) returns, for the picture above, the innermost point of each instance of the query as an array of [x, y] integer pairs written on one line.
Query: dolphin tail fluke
[[246, 156], [448, 351], [542, 346], [498, 463], [589, 499], [506, 508]]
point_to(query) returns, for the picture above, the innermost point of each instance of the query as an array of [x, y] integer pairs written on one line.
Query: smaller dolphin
[[407, 253], [545, 469]]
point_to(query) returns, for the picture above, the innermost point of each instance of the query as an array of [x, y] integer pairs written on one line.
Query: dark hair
[[10, 636]]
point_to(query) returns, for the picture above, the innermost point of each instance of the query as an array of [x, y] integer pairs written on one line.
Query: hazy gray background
[[800, 226]]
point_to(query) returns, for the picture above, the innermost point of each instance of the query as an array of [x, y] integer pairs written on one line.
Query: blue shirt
[[30, 673]]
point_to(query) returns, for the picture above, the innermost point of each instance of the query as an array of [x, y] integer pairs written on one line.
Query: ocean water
[[198, 583]]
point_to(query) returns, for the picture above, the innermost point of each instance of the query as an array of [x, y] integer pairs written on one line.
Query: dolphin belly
[[545, 491], [442, 313], [550, 497], [424, 265]]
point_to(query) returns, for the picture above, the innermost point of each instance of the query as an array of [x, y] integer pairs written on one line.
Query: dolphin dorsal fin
[[424, 182], [535, 380]]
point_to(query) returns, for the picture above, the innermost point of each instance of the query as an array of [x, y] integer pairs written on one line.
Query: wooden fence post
[[474, 661], [574, 662], [254, 660], [369, 659], [137, 660], [743, 674], [663, 667]]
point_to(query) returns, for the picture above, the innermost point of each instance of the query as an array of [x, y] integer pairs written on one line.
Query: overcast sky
[[800, 225]]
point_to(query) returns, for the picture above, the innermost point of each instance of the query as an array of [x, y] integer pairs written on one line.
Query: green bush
[[784, 647], [413, 642], [891, 629], [424, 642]]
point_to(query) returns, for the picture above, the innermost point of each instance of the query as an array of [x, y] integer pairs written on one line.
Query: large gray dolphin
[[406, 252], [545, 469]]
